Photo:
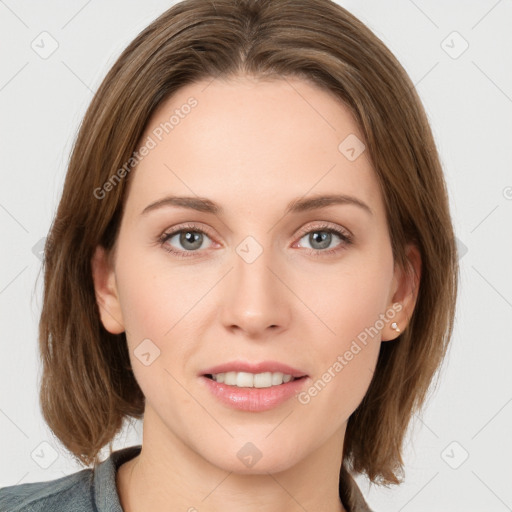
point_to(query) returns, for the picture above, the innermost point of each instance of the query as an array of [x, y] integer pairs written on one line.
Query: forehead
[[244, 140]]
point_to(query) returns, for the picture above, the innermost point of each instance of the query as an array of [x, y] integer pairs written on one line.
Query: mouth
[[245, 374], [251, 392], [252, 380]]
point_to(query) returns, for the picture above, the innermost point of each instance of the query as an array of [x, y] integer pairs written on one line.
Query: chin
[[248, 458]]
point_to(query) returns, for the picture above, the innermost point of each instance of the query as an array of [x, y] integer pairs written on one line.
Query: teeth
[[250, 380]]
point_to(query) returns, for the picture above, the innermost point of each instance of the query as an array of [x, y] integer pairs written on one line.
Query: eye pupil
[[191, 237], [325, 239]]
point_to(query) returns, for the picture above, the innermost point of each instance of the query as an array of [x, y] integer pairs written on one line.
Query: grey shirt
[[95, 490]]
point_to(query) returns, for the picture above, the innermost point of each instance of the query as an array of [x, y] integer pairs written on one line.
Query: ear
[[404, 292], [105, 287]]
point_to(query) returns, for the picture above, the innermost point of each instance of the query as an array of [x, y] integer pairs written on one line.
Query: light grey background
[[468, 98]]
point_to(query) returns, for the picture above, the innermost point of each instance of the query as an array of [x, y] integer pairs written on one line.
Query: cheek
[[154, 294], [145, 306], [349, 305], [161, 303], [346, 348], [155, 315], [351, 299]]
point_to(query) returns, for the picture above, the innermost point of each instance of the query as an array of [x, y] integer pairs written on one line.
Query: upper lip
[[261, 367]]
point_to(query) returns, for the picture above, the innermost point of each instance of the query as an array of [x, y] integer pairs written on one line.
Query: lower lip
[[254, 399]]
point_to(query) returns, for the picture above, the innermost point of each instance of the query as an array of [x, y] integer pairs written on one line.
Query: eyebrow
[[202, 204]]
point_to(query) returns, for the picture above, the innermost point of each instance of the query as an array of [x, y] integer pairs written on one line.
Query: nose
[[255, 299]]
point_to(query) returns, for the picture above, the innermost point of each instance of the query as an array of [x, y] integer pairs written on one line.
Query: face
[[254, 281]]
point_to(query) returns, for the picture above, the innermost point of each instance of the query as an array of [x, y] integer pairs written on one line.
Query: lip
[[261, 367], [254, 399]]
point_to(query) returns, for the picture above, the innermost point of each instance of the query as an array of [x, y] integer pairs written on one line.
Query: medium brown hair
[[87, 385]]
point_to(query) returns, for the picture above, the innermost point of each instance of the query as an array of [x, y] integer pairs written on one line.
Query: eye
[[321, 237], [190, 237]]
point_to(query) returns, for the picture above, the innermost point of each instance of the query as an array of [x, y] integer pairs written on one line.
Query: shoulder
[[88, 490], [71, 492]]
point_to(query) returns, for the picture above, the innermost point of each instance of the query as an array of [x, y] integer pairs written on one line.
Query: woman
[[253, 252]]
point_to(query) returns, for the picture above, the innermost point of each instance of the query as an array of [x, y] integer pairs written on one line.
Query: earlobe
[[393, 327], [405, 294], [106, 291]]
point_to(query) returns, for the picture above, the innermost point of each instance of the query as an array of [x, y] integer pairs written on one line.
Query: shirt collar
[[105, 496]]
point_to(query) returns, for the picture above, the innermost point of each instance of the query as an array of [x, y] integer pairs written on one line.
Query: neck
[[168, 475]]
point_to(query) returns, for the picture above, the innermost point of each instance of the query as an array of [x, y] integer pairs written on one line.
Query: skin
[[251, 146]]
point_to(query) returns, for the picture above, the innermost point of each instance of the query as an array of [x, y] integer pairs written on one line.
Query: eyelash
[[344, 236]]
